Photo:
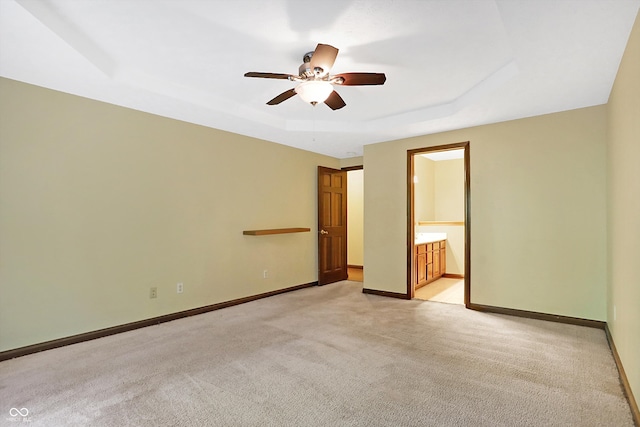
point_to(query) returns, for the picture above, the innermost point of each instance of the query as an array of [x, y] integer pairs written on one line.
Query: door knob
[[324, 232]]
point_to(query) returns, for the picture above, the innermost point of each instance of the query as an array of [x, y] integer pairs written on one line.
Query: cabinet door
[[436, 262], [443, 257], [421, 268]]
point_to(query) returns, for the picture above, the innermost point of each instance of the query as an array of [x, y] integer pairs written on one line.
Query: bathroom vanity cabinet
[[430, 262]]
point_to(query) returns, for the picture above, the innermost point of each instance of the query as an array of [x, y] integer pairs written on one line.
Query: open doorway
[[438, 226], [355, 223]]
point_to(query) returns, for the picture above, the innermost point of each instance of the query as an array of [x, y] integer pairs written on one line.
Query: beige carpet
[[325, 356]]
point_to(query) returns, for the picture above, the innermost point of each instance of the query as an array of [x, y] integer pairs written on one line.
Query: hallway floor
[[444, 289], [355, 274]]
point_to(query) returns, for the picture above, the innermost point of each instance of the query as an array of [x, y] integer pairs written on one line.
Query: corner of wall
[[623, 210]]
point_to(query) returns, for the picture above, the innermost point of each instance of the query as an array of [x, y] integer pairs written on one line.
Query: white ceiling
[[449, 64]]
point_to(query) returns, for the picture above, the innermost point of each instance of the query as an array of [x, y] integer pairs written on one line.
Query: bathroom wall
[[449, 190], [424, 189]]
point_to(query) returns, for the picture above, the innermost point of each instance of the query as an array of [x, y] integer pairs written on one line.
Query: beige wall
[[624, 211], [424, 189], [449, 190], [99, 203], [538, 212], [355, 212], [439, 190]]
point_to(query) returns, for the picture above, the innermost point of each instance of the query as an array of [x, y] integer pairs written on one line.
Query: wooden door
[[332, 225]]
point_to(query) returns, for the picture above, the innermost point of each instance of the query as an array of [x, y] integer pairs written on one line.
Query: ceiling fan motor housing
[[305, 71]]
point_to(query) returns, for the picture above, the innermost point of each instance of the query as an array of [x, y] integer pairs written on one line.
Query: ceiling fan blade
[[360, 79], [268, 75], [282, 97], [335, 101], [324, 56]]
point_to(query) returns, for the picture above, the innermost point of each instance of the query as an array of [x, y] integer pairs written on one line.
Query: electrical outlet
[[265, 274], [153, 292], [179, 288]]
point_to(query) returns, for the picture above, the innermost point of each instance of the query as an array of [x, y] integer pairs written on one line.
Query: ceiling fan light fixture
[[314, 91]]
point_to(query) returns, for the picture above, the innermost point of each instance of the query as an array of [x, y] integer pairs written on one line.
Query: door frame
[[411, 215]]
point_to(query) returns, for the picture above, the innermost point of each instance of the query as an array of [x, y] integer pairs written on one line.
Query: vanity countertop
[[422, 238]]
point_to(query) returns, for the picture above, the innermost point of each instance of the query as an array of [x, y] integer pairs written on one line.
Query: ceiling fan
[[315, 82]]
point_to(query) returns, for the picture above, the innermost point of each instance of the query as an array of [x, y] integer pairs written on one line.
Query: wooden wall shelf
[[275, 231]]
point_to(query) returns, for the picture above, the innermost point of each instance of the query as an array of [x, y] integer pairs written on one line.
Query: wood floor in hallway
[[355, 274], [444, 289]]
